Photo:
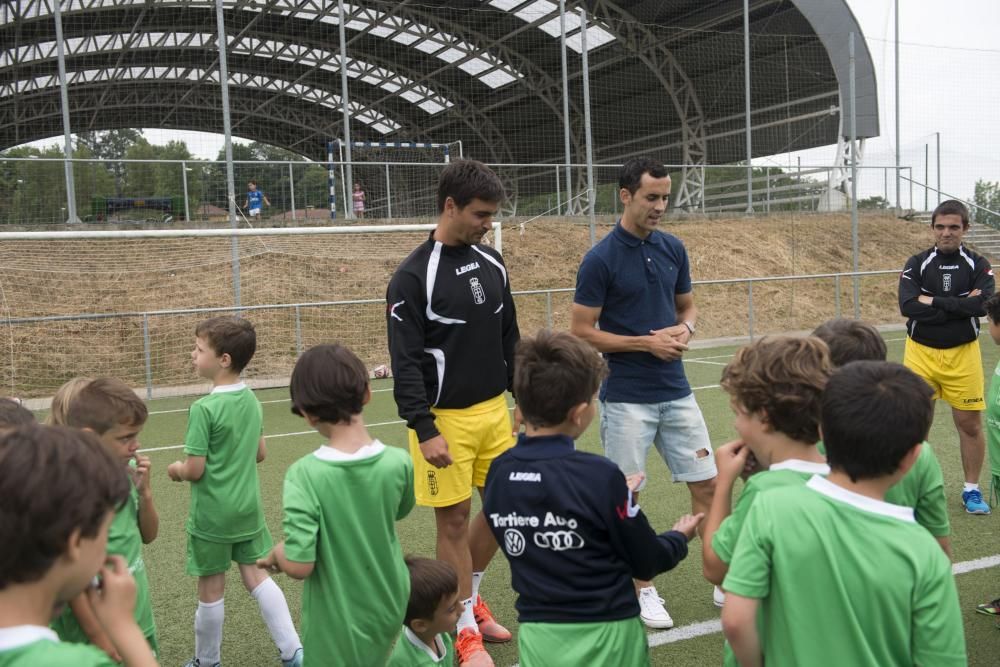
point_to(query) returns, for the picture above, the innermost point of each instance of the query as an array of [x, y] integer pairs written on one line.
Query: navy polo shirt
[[633, 281]]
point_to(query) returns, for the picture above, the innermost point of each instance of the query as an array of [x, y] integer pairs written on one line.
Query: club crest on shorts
[[432, 483], [478, 293]]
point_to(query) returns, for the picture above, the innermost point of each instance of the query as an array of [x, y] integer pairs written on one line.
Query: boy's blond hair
[[63, 397]]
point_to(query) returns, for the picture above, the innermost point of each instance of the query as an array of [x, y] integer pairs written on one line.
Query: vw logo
[[513, 542], [559, 540]]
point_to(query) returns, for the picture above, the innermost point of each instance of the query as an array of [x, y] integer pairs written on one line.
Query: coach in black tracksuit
[[941, 292], [452, 330]]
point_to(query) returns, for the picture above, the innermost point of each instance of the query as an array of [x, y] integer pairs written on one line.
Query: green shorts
[[205, 557], [621, 643]]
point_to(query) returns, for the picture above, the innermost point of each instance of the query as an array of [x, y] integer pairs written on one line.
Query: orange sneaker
[[490, 629], [469, 647]]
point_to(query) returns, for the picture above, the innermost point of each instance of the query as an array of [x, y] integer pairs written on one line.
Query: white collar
[[223, 388], [373, 448], [798, 465], [839, 493], [416, 641], [22, 635]]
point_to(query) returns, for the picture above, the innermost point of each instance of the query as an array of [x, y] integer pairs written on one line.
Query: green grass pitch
[[694, 641]]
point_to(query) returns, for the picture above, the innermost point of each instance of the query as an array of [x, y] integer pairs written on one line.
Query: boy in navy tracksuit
[[566, 522]]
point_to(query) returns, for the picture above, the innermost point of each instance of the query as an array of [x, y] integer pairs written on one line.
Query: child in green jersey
[[223, 445], [111, 410], [431, 616], [992, 307], [832, 554], [60, 489], [774, 385], [923, 487], [341, 505]]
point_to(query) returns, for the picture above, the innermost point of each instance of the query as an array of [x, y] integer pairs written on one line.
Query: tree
[[111, 145], [987, 196], [873, 203]]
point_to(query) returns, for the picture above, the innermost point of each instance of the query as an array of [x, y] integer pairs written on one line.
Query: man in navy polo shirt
[[636, 285]]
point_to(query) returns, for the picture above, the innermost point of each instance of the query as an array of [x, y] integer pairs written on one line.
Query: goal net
[[125, 303]]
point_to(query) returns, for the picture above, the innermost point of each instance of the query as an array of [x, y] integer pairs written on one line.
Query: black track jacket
[[452, 330], [953, 318]]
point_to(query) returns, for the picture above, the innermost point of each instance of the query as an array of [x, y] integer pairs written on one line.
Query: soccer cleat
[[488, 627], [295, 660], [974, 503], [718, 597], [651, 610], [991, 608], [195, 662], [470, 651]]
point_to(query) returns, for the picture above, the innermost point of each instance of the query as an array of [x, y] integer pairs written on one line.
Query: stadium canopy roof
[[666, 76]]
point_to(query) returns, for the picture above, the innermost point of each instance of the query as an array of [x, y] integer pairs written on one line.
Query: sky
[[949, 61]]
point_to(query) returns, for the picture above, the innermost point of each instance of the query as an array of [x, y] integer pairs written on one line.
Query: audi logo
[[558, 540]]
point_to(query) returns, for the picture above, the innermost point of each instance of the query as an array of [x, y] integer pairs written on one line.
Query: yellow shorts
[[955, 373], [475, 435]]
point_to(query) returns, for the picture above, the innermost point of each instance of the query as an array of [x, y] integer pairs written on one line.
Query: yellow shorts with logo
[[475, 435], [955, 373]]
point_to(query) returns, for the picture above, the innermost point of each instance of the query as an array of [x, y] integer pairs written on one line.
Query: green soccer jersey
[[993, 424], [409, 651], [922, 488], [34, 646], [792, 472], [124, 539], [862, 570], [340, 513], [225, 427]]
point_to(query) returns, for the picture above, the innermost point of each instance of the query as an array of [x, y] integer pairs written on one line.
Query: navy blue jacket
[[566, 523]]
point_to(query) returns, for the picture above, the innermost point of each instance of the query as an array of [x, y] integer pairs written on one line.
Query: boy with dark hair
[[992, 306], [60, 490], [341, 505], [832, 554], [223, 444], [255, 200], [431, 615], [111, 410], [13, 414], [566, 521], [774, 385], [452, 327], [923, 487]]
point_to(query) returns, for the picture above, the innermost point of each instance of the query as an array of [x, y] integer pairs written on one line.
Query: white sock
[[274, 609], [477, 577], [970, 486], [208, 632], [467, 619]]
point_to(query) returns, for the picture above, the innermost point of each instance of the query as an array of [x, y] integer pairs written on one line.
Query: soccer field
[[696, 639]]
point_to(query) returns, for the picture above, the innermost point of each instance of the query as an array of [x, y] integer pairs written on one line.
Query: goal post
[[124, 303]]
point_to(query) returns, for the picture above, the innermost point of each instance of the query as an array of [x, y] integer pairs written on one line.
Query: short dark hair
[[430, 581], [13, 414], [873, 413], [53, 480], [465, 180], [631, 173], [783, 377], [329, 382], [992, 307], [553, 372], [104, 403], [851, 340], [234, 336], [951, 207]]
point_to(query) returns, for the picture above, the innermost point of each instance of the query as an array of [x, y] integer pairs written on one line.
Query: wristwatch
[[690, 326]]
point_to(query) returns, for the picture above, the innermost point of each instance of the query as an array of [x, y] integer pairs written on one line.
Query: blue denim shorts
[[677, 428]]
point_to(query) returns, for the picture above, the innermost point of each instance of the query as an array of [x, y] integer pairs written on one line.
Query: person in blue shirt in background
[[255, 201]]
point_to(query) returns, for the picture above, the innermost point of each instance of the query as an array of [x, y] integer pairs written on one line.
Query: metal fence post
[[184, 179], [388, 191], [558, 192], [836, 297], [291, 187], [298, 332], [148, 356], [548, 309], [750, 308]]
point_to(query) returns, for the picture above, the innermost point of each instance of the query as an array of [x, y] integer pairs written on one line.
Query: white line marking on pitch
[[714, 626]]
